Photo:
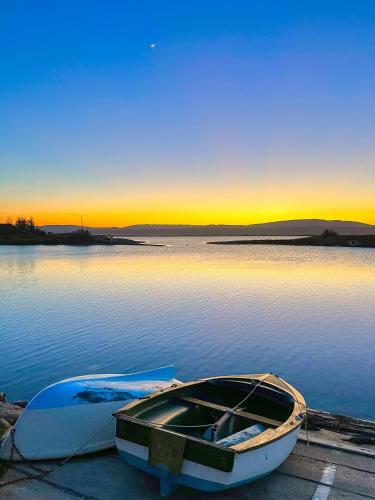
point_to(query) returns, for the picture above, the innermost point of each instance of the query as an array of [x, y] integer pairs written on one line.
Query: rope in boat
[[199, 426], [215, 425], [45, 473], [224, 417]]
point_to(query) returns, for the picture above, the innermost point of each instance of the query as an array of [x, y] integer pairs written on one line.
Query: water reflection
[[305, 313]]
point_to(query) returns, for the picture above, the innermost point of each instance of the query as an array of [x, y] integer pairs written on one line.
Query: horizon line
[[212, 224]]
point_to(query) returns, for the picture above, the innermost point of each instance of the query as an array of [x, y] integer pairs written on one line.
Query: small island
[[24, 232], [328, 238]]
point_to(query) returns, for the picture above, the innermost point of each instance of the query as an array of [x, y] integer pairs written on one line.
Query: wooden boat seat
[[252, 416]]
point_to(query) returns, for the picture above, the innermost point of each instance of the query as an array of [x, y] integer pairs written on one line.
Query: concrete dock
[[326, 468]]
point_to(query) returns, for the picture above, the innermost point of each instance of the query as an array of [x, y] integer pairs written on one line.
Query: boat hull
[[248, 466], [74, 416]]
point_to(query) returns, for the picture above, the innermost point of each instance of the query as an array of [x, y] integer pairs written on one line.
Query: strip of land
[[66, 239], [363, 241], [25, 233]]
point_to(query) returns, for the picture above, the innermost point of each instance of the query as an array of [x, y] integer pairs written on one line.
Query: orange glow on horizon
[[128, 218], [216, 204]]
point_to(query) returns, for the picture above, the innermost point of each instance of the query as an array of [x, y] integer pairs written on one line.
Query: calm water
[[307, 314]]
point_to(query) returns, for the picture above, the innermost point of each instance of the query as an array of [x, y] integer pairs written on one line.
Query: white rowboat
[[213, 433], [74, 416]]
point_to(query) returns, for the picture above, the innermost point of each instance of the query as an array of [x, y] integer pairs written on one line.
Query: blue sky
[[243, 112]]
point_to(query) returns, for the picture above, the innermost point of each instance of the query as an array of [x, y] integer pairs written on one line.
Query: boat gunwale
[[263, 439]]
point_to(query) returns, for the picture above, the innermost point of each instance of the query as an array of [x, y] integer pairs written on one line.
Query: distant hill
[[301, 227]]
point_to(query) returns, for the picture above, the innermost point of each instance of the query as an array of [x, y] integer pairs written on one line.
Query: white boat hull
[[248, 466], [74, 416]]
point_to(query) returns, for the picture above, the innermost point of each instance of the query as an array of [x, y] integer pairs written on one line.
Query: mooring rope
[[45, 473]]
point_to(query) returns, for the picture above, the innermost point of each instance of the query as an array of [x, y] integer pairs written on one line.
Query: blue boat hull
[[75, 416], [168, 481]]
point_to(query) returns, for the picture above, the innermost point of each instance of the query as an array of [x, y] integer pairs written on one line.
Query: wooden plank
[[317, 420], [166, 449], [336, 445], [258, 418]]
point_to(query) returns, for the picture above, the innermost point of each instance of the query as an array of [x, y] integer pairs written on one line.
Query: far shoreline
[[329, 240]]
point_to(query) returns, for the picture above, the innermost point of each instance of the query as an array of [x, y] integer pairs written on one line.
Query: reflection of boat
[[74, 416], [214, 433]]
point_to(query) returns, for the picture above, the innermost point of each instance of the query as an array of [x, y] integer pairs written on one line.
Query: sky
[[243, 112]]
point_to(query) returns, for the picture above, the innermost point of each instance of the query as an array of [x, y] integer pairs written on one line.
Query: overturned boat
[[74, 416], [213, 433]]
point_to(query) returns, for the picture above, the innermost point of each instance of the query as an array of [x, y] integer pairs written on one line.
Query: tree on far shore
[[26, 225]]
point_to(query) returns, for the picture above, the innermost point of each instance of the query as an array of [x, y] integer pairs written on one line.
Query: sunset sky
[[243, 112]]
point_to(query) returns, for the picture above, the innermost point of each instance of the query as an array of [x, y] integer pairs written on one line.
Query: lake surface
[[307, 314]]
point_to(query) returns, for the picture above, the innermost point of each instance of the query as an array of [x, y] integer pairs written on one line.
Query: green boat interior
[[235, 404]]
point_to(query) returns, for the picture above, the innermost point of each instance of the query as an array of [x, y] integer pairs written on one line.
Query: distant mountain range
[[301, 227]]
